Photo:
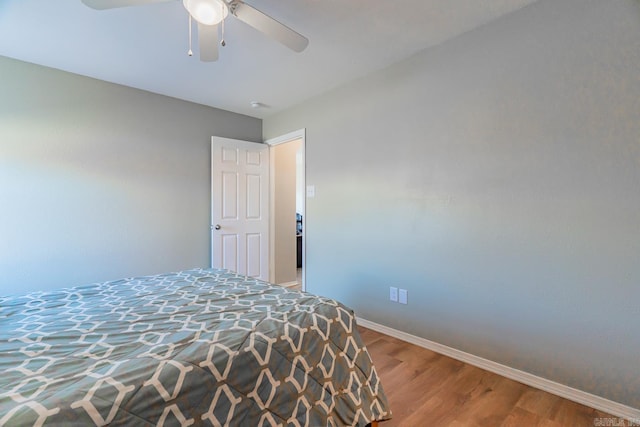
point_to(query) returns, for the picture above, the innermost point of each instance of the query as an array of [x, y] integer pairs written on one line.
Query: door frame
[[289, 137]]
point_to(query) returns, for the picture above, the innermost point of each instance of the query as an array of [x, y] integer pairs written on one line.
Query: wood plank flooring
[[428, 389]]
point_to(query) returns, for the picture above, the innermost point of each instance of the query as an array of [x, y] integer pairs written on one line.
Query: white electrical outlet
[[403, 296], [393, 294]]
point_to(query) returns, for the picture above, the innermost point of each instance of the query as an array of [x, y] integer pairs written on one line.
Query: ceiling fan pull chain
[[190, 52], [222, 42]]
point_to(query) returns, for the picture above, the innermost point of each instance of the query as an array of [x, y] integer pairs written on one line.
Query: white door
[[240, 206]]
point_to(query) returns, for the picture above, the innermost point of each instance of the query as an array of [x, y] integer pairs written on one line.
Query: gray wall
[[497, 178], [99, 181]]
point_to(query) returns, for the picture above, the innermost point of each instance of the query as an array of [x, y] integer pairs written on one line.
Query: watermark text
[[616, 422]]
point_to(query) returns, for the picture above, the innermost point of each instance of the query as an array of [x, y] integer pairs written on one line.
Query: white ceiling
[[145, 46]]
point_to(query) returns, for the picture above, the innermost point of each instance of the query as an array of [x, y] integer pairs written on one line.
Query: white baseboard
[[570, 393], [288, 284]]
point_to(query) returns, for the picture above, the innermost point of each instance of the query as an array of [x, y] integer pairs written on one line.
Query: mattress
[[196, 347]]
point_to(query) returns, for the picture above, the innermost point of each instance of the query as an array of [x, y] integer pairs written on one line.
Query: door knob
[[217, 227]]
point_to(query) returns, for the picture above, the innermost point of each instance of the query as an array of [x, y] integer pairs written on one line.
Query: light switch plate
[[393, 294], [311, 191]]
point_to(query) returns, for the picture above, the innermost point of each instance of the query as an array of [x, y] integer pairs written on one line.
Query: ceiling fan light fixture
[[207, 12]]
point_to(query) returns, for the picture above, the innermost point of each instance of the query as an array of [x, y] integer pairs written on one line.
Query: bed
[[196, 347]]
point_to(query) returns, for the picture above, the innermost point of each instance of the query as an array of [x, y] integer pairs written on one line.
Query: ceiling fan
[[209, 14]]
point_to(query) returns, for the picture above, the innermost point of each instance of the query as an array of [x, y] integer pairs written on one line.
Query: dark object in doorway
[[299, 239]]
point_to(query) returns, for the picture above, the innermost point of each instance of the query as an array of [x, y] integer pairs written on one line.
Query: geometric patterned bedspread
[[197, 347]]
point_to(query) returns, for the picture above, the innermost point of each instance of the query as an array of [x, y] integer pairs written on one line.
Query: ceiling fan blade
[[269, 26], [208, 42], [112, 4]]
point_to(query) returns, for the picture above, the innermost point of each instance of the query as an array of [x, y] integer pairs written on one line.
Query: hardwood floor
[[428, 389]]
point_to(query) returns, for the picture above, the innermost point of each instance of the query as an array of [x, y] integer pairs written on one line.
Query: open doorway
[[288, 221]]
